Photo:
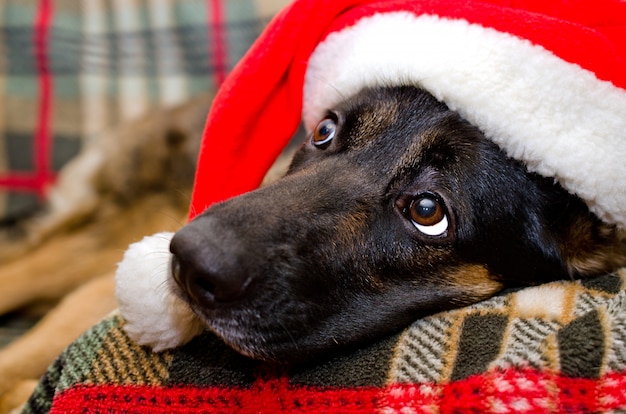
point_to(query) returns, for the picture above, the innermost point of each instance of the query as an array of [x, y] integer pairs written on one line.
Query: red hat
[[545, 80]]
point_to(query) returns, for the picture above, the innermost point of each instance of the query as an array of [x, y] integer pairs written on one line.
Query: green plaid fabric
[[554, 348], [71, 69]]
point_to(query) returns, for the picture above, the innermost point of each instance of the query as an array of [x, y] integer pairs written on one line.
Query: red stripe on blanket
[[218, 41], [27, 182], [43, 138], [511, 390], [37, 181]]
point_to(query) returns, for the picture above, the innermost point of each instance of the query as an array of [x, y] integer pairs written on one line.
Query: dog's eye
[[428, 215], [324, 132]]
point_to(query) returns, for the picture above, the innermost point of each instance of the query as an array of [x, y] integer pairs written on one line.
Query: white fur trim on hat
[[154, 315], [556, 117]]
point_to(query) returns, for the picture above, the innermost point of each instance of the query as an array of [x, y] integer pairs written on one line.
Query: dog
[[134, 180], [395, 207]]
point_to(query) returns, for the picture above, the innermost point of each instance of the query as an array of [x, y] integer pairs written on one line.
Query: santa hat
[[545, 80]]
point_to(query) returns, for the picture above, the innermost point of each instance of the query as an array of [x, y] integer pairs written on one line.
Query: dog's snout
[[208, 268]]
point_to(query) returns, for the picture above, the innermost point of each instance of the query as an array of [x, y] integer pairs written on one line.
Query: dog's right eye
[[428, 215], [324, 132]]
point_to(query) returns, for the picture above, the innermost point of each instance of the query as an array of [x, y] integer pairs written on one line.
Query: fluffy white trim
[[154, 315], [556, 117]]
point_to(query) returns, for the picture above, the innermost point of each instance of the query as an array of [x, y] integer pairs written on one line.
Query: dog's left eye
[[324, 132], [428, 215]]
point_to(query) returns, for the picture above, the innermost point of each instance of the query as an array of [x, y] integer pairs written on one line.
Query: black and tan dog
[[395, 207]]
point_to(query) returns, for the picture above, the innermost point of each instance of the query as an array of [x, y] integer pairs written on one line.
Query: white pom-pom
[[154, 315]]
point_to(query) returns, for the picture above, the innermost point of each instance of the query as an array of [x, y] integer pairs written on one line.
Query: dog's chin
[[238, 328], [266, 334], [252, 335], [254, 343]]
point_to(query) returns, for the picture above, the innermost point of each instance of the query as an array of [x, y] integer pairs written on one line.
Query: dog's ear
[[591, 247]]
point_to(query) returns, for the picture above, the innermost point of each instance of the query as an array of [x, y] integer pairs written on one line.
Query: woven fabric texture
[[553, 348]]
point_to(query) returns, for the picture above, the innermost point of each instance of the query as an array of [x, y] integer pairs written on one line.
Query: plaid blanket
[[559, 347], [69, 70]]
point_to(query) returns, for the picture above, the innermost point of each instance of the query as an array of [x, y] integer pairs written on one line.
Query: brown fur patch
[[134, 181], [371, 123], [475, 282], [592, 248]]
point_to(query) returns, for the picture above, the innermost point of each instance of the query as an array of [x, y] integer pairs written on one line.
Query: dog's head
[[393, 208]]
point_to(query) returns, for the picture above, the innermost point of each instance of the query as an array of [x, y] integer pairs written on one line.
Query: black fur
[[328, 257]]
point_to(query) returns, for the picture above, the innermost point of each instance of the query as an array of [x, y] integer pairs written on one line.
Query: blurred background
[[73, 71]]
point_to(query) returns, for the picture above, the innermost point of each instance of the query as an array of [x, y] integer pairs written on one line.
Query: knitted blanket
[[558, 347]]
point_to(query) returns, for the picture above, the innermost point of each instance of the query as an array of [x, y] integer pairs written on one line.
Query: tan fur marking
[[475, 282], [349, 226], [592, 251], [373, 123]]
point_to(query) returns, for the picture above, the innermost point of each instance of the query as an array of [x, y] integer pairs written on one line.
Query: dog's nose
[[209, 268]]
